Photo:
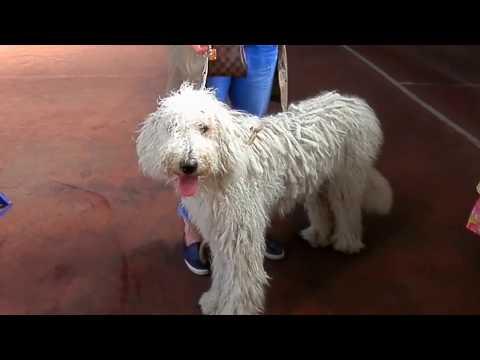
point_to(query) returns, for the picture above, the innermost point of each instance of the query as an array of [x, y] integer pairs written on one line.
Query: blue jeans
[[251, 93]]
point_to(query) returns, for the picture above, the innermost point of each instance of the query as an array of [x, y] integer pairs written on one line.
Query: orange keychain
[[474, 220], [212, 53]]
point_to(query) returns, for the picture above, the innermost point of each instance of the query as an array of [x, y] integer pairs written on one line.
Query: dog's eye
[[203, 128]]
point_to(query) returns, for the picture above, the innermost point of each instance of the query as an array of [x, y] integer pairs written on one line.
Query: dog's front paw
[[347, 243], [208, 303], [315, 238]]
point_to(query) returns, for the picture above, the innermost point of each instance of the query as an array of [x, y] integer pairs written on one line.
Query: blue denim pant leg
[[251, 93], [182, 212]]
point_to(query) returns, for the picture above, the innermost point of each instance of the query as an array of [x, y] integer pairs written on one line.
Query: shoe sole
[[196, 271], [275, 257], [207, 272]]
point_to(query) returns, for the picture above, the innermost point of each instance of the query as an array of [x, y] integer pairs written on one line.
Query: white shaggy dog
[[234, 171]]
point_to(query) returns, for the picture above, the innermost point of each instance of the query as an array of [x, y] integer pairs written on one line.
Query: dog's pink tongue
[[188, 185]]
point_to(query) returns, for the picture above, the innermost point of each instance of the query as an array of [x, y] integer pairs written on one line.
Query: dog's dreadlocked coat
[[234, 172]]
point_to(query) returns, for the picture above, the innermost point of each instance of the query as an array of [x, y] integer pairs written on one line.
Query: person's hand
[[200, 49]]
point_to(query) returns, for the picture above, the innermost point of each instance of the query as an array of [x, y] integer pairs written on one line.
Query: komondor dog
[[234, 171]]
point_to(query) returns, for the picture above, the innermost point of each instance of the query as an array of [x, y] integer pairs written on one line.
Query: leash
[[203, 84]]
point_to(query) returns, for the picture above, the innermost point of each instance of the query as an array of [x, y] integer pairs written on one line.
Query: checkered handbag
[[227, 60]]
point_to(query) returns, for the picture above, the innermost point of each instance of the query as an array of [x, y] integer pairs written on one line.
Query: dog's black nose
[[189, 166]]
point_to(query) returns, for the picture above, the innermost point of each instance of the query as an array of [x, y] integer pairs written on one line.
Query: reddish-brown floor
[[88, 234]]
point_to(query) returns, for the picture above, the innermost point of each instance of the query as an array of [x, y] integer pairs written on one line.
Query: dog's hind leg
[[319, 231], [345, 193]]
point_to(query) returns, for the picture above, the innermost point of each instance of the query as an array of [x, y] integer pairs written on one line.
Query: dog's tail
[[378, 196]]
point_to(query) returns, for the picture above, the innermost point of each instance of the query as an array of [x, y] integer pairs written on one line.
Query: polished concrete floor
[[89, 235]]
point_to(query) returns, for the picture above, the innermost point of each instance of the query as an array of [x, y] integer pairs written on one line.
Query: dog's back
[[343, 118]]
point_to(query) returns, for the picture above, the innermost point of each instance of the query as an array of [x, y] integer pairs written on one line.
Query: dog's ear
[[151, 136], [229, 138]]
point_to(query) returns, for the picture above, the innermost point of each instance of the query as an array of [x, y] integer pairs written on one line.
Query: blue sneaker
[[191, 256], [274, 250], [5, 204]]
